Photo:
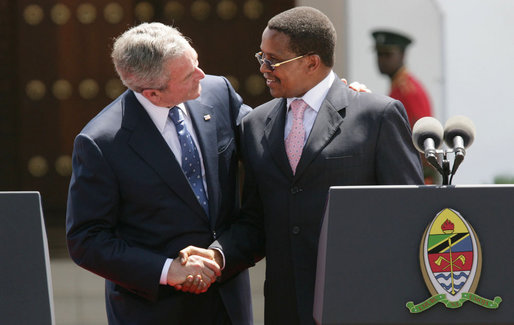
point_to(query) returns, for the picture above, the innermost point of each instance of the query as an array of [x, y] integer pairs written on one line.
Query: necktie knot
[[176, 116], [298, 107]]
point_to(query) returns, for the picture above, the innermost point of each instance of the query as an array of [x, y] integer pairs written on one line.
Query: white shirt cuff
[[165, 270], [222, 255]]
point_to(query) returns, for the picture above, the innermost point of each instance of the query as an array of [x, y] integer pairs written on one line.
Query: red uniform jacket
[[410, 92]]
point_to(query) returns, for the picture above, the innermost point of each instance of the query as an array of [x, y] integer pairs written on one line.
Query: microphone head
[[459, 126], [424, 128]]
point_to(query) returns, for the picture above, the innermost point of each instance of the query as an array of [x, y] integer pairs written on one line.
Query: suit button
[[295, 190], [295, 230]]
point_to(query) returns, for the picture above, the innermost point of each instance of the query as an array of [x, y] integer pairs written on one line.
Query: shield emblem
[[450, 256], [451, 261]]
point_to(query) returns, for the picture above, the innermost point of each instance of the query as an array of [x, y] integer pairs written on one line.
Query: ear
[[313, 62], [153, 95]]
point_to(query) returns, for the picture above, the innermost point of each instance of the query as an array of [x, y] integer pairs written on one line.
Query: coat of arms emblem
[[451, 261]]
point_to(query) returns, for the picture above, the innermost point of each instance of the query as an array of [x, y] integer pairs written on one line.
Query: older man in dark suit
[[316, 133], [154, 172]]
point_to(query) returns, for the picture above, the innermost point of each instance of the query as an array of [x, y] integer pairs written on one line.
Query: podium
[[369, 254], [25, 281]]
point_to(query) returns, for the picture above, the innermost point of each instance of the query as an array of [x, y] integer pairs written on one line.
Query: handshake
[[195, 269]]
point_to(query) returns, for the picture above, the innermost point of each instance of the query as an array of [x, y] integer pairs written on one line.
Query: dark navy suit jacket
[[130, 207], [357, 139]]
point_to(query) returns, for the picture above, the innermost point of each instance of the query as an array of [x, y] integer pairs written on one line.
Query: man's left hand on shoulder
[[357, 86]]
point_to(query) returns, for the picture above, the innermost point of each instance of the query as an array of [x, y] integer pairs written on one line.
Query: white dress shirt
[[166, 127], [314, 97]]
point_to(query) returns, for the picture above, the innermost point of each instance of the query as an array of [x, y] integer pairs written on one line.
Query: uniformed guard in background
[[390, 47]]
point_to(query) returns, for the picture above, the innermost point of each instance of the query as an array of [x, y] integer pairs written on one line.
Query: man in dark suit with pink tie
[[316, 133]]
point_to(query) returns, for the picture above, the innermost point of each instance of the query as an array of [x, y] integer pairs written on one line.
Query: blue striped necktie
[[190, 158]]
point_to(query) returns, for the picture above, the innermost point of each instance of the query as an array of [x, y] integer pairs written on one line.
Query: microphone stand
[[444, 167]]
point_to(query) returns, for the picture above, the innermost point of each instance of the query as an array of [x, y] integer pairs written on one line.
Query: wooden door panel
[[56, 73]]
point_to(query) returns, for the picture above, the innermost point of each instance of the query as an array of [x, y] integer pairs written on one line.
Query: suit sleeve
[[397, 160], [239, 109], [91, 220], [243, 243]]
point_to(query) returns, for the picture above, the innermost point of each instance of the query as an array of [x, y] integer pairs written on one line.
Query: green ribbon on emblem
[[466, 296]]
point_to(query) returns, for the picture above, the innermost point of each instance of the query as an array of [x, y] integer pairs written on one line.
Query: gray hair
[[141, 53]]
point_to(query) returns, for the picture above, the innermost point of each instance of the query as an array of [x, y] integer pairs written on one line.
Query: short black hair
[[309, 31]]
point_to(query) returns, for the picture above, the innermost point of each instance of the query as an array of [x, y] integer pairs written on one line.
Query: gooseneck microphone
[[459, 134], [427, 136]]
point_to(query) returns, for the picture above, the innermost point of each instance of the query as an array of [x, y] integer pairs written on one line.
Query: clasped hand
[[194, 270]]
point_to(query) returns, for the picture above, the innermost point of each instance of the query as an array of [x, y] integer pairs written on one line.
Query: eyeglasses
[[271, 66]]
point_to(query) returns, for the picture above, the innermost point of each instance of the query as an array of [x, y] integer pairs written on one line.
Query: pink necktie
[[296, 138]]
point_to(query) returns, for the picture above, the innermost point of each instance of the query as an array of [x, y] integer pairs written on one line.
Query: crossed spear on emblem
[[448, 228]]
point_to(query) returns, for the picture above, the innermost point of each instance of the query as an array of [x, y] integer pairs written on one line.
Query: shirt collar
[[158, 114], [315, 96]]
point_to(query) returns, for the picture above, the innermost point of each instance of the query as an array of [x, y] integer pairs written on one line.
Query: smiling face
[[291, 79], [184, 83]]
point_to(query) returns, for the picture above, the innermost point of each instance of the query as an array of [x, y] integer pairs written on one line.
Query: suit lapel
[[325, 126], [274, 134], [149, 144], [204, 123]]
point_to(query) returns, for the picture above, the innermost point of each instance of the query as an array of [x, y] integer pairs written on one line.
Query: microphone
[[459, 134], [427, 136]]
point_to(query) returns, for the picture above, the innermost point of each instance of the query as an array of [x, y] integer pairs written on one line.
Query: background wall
[[419, 19], [479, 67], [463, 54]]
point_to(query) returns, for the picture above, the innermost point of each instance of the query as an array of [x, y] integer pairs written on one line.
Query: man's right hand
[[198, 271], [209, 253], [192, 284]]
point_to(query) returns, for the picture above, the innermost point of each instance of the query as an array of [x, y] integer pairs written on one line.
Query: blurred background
[[56, 74]]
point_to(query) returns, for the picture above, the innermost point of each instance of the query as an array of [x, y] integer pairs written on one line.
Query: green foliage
[[504, 179]]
